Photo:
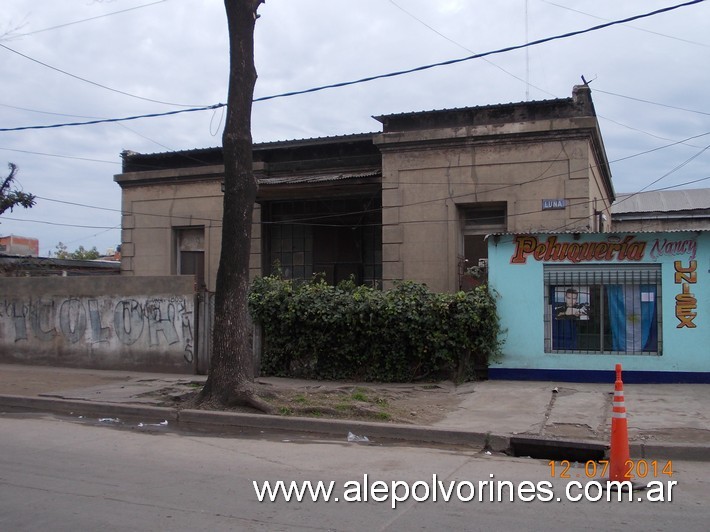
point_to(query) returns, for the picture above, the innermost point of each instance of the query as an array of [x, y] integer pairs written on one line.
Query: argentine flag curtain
[[632, 310]]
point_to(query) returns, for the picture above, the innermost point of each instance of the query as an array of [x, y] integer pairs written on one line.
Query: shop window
[[603, 309]]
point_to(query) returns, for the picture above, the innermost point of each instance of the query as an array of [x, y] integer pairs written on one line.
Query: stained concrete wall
[[137, 323]]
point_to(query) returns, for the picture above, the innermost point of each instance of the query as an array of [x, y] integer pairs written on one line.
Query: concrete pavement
[[666, 421]]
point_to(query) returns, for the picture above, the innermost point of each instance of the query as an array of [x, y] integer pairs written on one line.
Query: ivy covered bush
[[315, 330]]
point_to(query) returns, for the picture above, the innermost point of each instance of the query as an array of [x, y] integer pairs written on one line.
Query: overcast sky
[[649, 78]]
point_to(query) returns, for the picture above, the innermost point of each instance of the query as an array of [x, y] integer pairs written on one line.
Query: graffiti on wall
[[155, 322]]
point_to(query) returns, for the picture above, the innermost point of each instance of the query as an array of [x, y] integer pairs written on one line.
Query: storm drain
[[573, 451]]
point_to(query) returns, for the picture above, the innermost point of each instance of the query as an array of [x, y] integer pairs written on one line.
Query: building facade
[[413, 201]]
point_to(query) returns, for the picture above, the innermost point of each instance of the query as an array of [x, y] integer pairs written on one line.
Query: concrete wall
[[138, 323]]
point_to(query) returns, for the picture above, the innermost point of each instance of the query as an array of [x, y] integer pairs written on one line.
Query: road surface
[[59, 474]]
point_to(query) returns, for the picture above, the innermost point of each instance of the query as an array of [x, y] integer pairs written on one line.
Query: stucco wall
[[425, 183], [520, 292], [158, 210], [140, 323]]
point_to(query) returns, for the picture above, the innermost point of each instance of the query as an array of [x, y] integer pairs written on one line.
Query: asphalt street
[[64, 476]]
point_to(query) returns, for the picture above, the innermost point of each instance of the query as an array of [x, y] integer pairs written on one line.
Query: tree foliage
[[78, 254], [12, 197], [316, 330]]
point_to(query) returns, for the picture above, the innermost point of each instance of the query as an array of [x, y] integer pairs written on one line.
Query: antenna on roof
[[527, 56]]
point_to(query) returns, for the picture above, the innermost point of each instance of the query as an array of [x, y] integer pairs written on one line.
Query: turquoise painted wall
[[519, 288]]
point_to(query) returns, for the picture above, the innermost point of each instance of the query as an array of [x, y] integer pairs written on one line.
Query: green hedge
[[316, 330]]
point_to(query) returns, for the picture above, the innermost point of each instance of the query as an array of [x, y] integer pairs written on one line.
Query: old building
[[413, 201]]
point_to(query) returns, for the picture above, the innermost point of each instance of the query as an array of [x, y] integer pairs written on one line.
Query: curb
[[85, 408], [225, 422], [340, 427]]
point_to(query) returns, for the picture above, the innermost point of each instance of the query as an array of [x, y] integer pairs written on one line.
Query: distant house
[[19, 245], [28, 266], [662, 210], [414, 201]]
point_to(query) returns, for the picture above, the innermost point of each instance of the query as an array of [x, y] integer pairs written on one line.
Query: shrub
[[315, 330]]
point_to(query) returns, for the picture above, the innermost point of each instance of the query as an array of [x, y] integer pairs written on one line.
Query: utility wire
[[484, 54], [632, 27], [108, 120], [86, 19], [537, 179], [89, 81], [381, 76], [308, 221], [654, 103], [60, 156], [410, 14]]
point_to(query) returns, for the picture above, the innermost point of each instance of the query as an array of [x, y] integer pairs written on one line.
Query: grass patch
[[360, 395], [300, 399]]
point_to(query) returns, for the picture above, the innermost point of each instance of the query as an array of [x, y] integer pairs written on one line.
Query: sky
[[81, 60]]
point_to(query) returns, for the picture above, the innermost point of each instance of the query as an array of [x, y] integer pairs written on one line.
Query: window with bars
[[339, 238], [603, 309]]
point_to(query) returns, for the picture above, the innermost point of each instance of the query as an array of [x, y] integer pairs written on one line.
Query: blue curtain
[[632, 317], [617, 316], [648, 317]]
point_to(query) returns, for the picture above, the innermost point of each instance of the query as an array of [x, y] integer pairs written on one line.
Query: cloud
[[177, 51]]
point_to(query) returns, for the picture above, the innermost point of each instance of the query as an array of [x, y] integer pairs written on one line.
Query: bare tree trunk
[[231, 370]]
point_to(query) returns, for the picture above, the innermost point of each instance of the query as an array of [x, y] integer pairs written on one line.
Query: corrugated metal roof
[[548, 101], [323, 178], [258, 145], [662, 201]]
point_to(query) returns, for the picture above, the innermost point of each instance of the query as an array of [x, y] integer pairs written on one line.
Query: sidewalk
[[667, 421]]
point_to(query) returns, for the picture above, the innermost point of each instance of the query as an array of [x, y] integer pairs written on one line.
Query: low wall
[[136, 323]]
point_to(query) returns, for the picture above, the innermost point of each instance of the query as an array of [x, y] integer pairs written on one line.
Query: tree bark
[[231, 371]]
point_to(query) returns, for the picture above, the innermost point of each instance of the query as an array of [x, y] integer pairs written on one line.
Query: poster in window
[[571, 303]]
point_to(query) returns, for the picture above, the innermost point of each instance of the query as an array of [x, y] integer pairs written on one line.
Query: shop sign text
[[685, 303]]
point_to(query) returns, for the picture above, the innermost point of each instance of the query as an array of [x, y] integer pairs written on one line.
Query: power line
[[59, 224], [654, 103], [376, 77], [89, 81], [484, 54], [410, 14], [60, 156], [47, 112], [302, 221], [109, 120], [91, 117], [87, 19], [632, 27]]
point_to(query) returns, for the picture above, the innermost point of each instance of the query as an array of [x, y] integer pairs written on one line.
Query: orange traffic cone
[[619, 460]]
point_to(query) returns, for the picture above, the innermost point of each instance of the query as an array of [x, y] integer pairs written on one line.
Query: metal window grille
[[603, 309]]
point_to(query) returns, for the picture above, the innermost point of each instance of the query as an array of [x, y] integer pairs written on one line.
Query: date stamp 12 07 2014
[[633, 469]]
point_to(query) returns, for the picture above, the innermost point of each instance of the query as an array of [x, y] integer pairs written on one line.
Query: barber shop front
[[574, 305]]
